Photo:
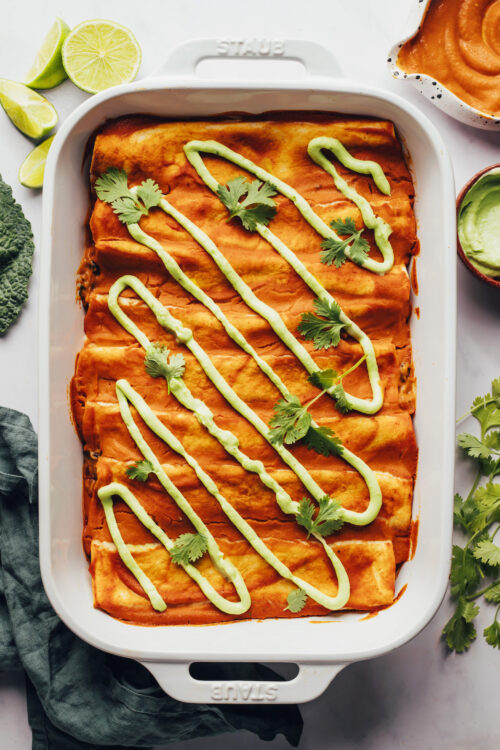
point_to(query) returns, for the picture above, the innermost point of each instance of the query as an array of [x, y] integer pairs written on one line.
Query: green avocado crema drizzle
[[126, 394], [382, 230]]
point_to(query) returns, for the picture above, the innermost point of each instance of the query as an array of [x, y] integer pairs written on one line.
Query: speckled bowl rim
[[461, 254], [442, 97]]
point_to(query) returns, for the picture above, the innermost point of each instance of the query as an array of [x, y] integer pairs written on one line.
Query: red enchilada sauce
[[458, 44]]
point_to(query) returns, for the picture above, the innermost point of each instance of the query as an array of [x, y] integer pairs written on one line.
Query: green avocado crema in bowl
[[479, 223]]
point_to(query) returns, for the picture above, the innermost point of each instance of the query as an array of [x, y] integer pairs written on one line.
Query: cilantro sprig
[[334, 251], [252, 202], [329, 517], [140, 470], [475, 566], [296, 600], [324, 326], [160, 363], [188, 548], [292, 421], [112, 187]]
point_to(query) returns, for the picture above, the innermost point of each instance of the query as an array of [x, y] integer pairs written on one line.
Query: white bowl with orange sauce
[[451, 54]]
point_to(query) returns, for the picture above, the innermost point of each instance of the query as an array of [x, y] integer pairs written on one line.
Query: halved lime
[[32, 169], [47, 70], [99, 54], [32, 113]]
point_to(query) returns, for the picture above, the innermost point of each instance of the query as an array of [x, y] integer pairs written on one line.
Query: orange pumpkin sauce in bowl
[[458, 44]]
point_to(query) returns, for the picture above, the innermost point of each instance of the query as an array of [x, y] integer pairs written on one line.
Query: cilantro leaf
[[160, 363], [324, 333], [323, 379], [149, 193], [329, 517], [257, 206], [296, 600], [140, 470], [112, 187], [459, 632], [487, 552], [340, 397], [128, 210], [290, 422], [492, 634], [486, 502], [474, 447], [465, 512], [493, 594], [465, 573], [334, 251], [324, 441], [486, 409], [188, 548]]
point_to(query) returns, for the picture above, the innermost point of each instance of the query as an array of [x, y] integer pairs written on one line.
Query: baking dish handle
[[175, 679], [183, 60]]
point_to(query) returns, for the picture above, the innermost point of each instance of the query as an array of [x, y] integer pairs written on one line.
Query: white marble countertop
[[417, 697]]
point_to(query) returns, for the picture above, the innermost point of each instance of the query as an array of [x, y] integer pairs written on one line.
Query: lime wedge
[[32, 113], [99, 54], [48, 71], [32, 169]]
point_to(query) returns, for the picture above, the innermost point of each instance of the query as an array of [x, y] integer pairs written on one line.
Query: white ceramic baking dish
[[321, 647], [434, 90]]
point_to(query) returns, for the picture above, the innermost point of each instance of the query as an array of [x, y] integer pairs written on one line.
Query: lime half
[[32, 169], [32, 113], [99, 54], [47, 70]]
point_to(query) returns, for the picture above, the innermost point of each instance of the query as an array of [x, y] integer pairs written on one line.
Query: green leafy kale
[[334, 251], [475, 567], [296, 600], [324, 331], [112, 187], [188, 548], [140, 470], [159, 364], [328, 519], [257, 206], [16, 253]]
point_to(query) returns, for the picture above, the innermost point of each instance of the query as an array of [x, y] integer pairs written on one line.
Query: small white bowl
[[432, 89]]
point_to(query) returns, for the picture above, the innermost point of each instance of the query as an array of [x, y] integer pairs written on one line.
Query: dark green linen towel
[[80, 698]]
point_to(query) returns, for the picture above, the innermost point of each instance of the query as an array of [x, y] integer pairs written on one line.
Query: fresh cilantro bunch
[[160, 363], [257, 206], [334, 251], [475, 567], [292, 421], [112, 187], [324, 331]]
